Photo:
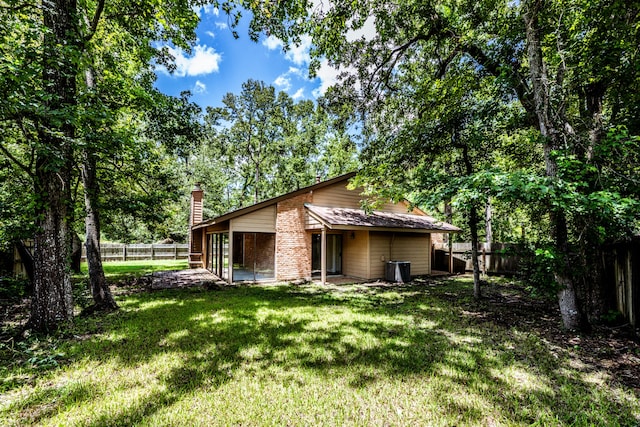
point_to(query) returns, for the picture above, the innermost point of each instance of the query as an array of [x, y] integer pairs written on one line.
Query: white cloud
[[328, 76], [283, 82], [199, 87], [368, 31], [221, 25], [296, 71], [210, 9], [272, 43], [210, 34], [299, 94], [204, 60], [298, 54]]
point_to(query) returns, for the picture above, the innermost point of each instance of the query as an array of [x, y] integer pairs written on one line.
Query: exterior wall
[[379, 253], [293, 243], [311, 223], [355, 254], [437, 238], [415, 248], [261, 221], [339, 196]]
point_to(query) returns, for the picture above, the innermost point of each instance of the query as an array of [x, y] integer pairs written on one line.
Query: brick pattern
[[293, 243]]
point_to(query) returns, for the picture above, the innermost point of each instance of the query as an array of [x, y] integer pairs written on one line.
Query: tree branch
[[19, 7], [15, 160], [522, 90], [95, 21]]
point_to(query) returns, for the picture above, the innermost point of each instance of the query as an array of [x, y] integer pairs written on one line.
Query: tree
[[262, 144], [565, 63], [49, 113]]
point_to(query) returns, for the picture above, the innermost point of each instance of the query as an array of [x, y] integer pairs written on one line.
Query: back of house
[[320, 230]]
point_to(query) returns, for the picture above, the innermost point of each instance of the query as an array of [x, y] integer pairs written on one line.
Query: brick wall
[[293, 243]]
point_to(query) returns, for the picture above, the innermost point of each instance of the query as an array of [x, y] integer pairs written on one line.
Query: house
[[319, 230]]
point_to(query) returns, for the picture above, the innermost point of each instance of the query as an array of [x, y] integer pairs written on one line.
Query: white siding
[[260, 221]]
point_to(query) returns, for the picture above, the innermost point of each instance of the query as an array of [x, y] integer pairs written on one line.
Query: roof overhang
[[359, 219]]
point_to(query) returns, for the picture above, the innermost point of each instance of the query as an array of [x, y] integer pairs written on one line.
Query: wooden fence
[[493, 258], [623, 273], [134, 252]]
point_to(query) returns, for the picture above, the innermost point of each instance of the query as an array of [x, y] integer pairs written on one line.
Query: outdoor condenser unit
[[398, 271]]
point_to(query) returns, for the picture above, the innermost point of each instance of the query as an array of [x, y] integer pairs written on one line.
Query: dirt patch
[[184, 279], [614, 350]]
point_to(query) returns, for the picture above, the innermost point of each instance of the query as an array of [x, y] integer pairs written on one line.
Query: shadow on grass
[[364, 334]]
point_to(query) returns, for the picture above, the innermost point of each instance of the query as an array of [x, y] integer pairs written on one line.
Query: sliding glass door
[[334, 254], [218, 254], [253, 256]]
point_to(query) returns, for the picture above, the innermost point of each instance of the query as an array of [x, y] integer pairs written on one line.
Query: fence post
[[124, 252], [484, 260], [152, 252], [175, 251]]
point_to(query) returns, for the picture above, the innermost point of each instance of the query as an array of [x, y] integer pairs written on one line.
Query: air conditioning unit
[[398, 271]]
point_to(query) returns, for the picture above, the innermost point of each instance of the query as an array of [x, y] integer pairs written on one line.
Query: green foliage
[[36, 353], [532, 104], [12, 288], [82, 293], [261, 144], [537, 268]]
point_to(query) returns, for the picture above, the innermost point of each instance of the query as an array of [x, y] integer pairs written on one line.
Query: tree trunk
[[76, 253], [473, 228], [448, 217], [52, 301], [102, 297], [572, 317], [488, 218]]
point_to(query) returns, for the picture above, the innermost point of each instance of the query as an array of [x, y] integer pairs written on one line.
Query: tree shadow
[[365, 333]]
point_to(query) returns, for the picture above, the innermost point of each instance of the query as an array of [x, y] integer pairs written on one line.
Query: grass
[[424, 354], [125, 270]]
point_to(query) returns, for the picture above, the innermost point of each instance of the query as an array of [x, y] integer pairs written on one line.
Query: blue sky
[[219, 64]]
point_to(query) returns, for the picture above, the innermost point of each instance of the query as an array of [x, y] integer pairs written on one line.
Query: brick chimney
[[195, 237], [196, 205]]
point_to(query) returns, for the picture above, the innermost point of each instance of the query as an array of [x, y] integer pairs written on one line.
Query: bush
[[537, 266], [13, 288]]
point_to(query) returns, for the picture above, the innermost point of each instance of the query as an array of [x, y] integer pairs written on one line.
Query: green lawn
[[424, 354], [120, 270]]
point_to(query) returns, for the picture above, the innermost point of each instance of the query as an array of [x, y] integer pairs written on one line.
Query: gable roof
[[269, 202], [346, 218]]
